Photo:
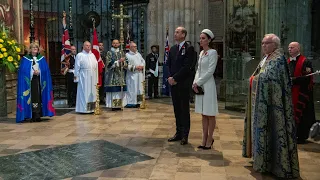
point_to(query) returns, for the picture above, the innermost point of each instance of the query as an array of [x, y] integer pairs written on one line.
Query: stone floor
[[146, 131]]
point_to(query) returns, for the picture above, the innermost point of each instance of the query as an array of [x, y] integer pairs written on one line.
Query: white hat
[[207, 31]]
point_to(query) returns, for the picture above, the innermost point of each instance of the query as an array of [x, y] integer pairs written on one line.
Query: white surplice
[[86, 73], [134, 78]]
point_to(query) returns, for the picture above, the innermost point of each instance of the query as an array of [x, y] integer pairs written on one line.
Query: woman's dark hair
[[211, 44]]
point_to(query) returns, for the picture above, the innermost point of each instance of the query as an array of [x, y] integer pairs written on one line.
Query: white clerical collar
[[115, 49], [294, 58]]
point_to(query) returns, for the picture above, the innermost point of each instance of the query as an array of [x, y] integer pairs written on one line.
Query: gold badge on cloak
[[308, 70]]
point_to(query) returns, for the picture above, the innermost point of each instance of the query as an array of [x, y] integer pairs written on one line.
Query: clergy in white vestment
[[86, 74], [135, 77]]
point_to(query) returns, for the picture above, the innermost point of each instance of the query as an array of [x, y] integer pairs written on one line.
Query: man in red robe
[[302, 91]]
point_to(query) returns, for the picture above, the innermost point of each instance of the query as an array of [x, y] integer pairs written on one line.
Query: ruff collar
[[115, 49]]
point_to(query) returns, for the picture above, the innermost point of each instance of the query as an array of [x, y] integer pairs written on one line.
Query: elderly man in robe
[[86, 74], [270, 131], [135, 77]]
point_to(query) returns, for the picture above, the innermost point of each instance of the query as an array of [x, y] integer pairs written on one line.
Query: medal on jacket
[[183, 50]]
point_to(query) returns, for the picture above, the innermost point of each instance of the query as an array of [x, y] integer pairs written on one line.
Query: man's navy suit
[[179, 63]]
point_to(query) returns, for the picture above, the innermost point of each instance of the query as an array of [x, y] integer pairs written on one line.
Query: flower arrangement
[[9, 52]]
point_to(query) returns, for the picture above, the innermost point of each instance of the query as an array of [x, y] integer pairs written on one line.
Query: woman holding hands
[[205, 88]]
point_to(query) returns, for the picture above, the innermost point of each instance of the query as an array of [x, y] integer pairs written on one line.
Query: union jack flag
[[165, 83]]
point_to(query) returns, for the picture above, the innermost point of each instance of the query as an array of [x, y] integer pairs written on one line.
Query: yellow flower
[[13, 41], [1, 56], [5, 54], [18, 49], [1, 41], [1, 46], [9, 43], [19, 57], [3, 49], [16, 64], [10, 58]]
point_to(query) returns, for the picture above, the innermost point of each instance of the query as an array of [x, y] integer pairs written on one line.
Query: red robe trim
[[296, 88]]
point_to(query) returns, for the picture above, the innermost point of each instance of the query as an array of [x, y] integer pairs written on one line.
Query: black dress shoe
[[200, 147], [174, 138], [184, 141]]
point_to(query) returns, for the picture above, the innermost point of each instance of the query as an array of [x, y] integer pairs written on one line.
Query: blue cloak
[[24, 109], [270, 132]]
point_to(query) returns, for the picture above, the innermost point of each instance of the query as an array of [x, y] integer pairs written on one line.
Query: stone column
[[152, 23], [200, 20], [275, 17], [174, 13], [290, 21], [160, 31], [299, 24]]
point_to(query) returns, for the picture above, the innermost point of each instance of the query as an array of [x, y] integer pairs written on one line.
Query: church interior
[[131, 144]]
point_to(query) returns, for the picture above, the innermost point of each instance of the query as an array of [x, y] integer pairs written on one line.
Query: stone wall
[[11, 87], [173, 13], [290, 21]]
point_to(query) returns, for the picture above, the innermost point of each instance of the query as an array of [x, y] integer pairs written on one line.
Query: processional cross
[[121, 16]]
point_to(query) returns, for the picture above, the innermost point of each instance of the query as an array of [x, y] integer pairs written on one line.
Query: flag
[[66, 46], [165, 83], [128, 39], [95, 51]]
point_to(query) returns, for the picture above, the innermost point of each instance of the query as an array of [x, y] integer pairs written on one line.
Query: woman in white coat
[[206, 103]]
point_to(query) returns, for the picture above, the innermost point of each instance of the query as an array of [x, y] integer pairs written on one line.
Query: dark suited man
[[103, 55], [152, 69], [179, 62], [71, 85]]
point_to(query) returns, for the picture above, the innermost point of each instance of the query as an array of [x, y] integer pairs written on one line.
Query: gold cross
[[121, 16]]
